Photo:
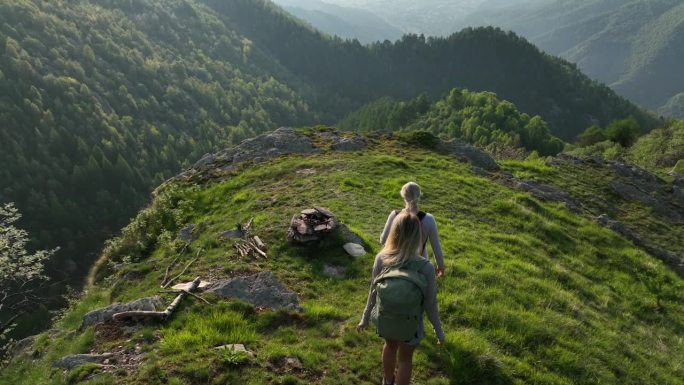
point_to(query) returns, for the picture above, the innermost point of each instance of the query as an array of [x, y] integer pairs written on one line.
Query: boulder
[[187, 234], [105, 314], [76, 360], [261, 290], [468, 153], [282, 141], [348, 235], [354, 249], [204, 162]]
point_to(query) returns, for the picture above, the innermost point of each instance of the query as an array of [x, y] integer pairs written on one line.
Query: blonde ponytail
[[411, 194]]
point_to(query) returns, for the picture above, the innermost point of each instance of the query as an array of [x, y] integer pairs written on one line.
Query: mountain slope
[[102, 100], [98, 107], [485, 59], [533, 292], [633, 46], [347, 23]]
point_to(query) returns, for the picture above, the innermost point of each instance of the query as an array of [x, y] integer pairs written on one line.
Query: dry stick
[[259, 243], [256, 249], [182, 272], [163, 315], [187, 292], [173, 263]]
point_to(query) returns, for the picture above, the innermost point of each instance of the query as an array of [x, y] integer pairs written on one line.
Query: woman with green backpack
[[402, 288]]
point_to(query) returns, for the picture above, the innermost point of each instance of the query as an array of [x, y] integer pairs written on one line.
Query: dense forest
[[474, 117], [661, 150], [102, 100], [97, 112], [483, 59]]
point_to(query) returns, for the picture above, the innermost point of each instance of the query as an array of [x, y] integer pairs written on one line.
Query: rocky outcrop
[[282, 141], [670, 258], [285, 140], [344, 144], [106, 313], [261, 290], [76, 360], [541, 191], [467, 153], [634, 184]]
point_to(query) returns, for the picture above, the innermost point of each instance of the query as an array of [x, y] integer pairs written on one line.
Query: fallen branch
[[173, 263], [184, 270], [188, 293], [162, 315]]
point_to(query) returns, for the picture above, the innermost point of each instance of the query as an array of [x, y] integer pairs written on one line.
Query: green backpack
[[399, 293]]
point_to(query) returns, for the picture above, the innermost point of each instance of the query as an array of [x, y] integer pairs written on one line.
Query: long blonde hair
[[411, 194], [403, 241]]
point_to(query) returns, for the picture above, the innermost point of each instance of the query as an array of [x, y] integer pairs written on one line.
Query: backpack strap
[[421, 214], [406, 272]]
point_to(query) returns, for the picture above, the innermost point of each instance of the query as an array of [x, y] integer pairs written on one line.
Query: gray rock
[[261, 290], [292, 363], [354, 249], [541, 191], [348, 235], [282, 141], [471, 154], [342, 144], [73, 361], [670, 258], [334, 271], [187, 234], [618, 227], [106, 313], [237, 233], [204, 161], [22, 347]]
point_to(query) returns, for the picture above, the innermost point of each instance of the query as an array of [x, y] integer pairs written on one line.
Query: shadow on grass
[[466, 366]]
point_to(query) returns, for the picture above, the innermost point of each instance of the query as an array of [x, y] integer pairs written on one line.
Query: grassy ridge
[[532, 294]]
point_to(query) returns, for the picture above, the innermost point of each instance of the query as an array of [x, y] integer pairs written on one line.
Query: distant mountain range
[[345, 22], [636, 47]]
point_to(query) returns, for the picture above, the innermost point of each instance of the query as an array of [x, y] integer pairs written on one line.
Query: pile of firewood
[[247, 245], [250, 246], [311, 225]]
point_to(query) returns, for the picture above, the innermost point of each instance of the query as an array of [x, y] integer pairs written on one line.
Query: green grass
[[533, 294]]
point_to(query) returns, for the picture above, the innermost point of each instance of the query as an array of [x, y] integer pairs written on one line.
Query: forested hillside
[[345, 22], [478, 118], [633, 46], [104, 99], [485, 59]]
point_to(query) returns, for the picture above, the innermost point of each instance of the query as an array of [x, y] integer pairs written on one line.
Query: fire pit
[[311, 225]]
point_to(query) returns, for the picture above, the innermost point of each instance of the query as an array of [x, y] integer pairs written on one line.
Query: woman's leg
[[389, 359], [405, 364]]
